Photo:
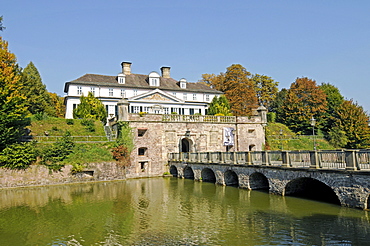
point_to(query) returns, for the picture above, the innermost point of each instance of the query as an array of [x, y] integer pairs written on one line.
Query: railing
[[50, 139], [323, 159], [198, 118]]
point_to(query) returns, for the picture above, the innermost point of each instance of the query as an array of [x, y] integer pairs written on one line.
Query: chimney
[[166, 72], [126, 68]]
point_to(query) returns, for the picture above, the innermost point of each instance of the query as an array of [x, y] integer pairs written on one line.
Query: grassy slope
[[58, 126], [83, 152], [290, 141]]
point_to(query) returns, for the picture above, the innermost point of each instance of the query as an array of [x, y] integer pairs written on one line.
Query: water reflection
[[171, 211]]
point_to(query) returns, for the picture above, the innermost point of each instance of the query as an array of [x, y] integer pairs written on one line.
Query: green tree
[[266, 89], [337, 137], [303, 101], [90, 108], [219, 106], [277, 105], [38, 98], [352, 119], [13, 108], [335, 100]]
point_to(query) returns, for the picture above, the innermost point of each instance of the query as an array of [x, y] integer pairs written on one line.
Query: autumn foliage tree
[[266, 89], [237, 86], [13, 108], [303, 101], [58, 104]]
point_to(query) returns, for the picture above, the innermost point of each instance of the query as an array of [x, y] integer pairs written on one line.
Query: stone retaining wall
[[37, 175]]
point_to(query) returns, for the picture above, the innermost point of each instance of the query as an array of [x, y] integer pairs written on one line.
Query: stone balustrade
[[322, 159], [198, 118]]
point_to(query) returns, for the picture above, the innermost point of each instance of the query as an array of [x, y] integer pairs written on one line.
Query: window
[[146, 109], [136, 109], [174, 93], [92, 90], [194, 97], [110, 92], [154, 79], [142, 151], [166, 110], [79, 90], [135, 92], [141, 132], [207, 97], [123, 93], [191, 111], [185, 96]]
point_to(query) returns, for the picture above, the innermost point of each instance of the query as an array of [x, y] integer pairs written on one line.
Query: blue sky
[[328, 41]]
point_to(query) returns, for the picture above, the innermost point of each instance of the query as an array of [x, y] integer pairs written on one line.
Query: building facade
[[152, 93], [155, 136]]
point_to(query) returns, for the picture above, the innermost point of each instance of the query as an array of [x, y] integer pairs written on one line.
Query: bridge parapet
[[322, 159]]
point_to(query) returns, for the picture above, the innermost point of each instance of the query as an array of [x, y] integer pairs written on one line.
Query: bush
[[122, 155], [58, 152], [41, 116], [69, 121], [89, 124], [77, 168], [18, 155]]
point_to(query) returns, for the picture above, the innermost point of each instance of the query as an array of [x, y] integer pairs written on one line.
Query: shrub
[[54, 128], [41, 116], [89, 124], [69, 121], [122, 155], [18, 155], [77, 168], [58, 152]]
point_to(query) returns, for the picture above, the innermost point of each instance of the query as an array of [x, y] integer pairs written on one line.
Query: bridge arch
[[173, 171], [231, 178], [188, 173], [311, 189], [208, 175], [258, 181]]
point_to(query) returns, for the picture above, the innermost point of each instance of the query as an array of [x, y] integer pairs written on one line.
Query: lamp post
[[281, 140], [313, 122]]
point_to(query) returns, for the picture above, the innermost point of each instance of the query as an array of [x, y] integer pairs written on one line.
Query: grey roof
[[139, 81]]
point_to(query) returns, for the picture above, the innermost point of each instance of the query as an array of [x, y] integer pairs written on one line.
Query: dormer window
[[183, 83], [154, 79], [121, 78]]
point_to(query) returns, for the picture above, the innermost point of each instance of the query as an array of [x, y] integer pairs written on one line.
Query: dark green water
[[170, 211]]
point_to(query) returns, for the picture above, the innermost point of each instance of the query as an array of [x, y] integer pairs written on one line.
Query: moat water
[[171, 211]]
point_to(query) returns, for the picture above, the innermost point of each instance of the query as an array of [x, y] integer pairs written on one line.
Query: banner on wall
[[228, 136]]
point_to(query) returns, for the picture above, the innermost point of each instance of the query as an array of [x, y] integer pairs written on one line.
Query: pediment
[[156, 96]]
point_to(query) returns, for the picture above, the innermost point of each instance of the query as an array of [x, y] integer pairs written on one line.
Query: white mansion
[[152, 93]]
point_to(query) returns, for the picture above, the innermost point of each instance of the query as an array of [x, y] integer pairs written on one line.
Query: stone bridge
[[339, 177]]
